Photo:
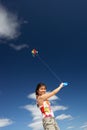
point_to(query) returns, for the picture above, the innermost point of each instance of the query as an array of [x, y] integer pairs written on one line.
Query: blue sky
[[58, 30]]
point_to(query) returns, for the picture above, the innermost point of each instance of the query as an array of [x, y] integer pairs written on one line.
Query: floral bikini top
[[46, 110]]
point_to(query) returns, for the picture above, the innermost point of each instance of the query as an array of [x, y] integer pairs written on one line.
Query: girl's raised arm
[[48, 95]]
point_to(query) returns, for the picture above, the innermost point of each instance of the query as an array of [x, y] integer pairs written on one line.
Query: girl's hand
[[65, 84]]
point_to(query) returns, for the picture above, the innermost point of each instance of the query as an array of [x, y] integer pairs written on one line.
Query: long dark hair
[[38, 87], [36, 90]]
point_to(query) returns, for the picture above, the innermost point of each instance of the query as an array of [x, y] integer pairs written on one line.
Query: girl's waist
[[48, 116]]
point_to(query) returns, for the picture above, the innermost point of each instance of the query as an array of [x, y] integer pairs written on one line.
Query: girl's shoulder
[[40, 99]]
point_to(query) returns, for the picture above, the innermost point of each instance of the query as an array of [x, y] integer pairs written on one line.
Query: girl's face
[[42, 90]]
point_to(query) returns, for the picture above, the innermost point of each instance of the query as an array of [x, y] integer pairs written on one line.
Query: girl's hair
[[38, 87]]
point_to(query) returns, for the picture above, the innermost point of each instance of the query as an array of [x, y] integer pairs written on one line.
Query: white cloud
[[9, 24], [32, 96], [36, 117], [5, 122], [84, 126], [34, 111], [70, 127], [63, 116], [18, 47], [57, 108], [54, 98], [36, 125]]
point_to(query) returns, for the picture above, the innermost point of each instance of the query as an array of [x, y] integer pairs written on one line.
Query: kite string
[[47, 66]]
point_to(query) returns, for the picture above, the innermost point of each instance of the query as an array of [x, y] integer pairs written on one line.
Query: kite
[[34, 52]]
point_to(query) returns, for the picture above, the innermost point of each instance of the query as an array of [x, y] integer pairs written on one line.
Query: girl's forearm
[[58, 89]]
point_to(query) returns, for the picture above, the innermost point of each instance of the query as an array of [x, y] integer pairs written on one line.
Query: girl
[[43, 103]]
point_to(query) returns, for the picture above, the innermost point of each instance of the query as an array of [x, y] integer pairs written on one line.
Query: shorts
[[49, 123]]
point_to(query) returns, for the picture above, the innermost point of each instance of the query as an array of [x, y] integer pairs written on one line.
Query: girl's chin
[[42, 93]]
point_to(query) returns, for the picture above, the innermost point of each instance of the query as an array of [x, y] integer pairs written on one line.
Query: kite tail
[[48, 67]]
